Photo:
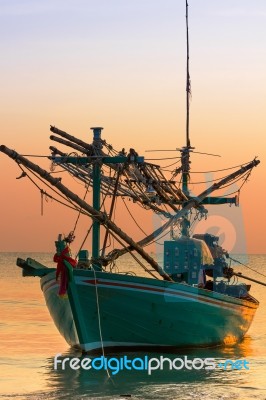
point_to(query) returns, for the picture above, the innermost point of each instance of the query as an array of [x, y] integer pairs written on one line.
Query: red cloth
[[61, 269]]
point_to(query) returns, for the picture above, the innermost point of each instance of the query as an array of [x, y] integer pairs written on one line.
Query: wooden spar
[[123, 189], [176, 192], [84, 147], [157, 188], [56, 151], [70, 144], [96, 215], [82, 174], [240, 275], [178, 195], [71, 138], [194, 202]]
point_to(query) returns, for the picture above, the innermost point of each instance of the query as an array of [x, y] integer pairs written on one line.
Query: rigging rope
[[218, 170], [245, 177], [133, 217], [99, 323], [79, 213], [84, 240], [239, 262], [112, 209], [51, 188], [133, 255], [73, 207], [164, 158]]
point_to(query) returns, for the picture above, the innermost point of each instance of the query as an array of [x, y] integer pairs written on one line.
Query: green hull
[[127, 312]]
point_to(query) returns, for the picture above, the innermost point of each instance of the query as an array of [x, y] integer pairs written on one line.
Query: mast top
[[96, 132], [188, 83]]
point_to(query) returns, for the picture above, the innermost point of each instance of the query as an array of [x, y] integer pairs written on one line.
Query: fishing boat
[[192, 299]]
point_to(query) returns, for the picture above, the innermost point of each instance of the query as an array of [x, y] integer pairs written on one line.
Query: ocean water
[[29, 342]]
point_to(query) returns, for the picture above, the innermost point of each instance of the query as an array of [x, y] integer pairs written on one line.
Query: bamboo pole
[[71, 138], [240, 275], [70, 144]]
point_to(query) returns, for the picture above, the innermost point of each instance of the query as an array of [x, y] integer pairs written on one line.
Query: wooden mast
[[185, 150]]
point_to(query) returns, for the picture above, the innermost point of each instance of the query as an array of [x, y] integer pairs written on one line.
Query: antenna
[[188, 86], [186, 150]]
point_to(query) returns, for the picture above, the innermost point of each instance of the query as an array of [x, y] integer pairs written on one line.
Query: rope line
[[99, 322], [79, 213], [239, 262]]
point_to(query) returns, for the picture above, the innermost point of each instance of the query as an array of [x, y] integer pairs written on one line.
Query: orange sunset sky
[[120, 64]]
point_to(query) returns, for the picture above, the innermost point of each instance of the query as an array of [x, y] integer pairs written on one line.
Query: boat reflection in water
[[139, 384]]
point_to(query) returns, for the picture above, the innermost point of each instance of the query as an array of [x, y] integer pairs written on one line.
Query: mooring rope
[[99, 323]]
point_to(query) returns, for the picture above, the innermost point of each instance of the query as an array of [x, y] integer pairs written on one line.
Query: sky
[[120, 64]]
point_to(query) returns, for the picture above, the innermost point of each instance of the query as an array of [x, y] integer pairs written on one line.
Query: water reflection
[[133, 383]]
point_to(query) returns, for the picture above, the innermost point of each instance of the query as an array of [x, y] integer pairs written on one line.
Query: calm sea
[[29, 341]]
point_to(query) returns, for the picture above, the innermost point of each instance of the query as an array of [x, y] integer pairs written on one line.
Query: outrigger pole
[[240, 275]]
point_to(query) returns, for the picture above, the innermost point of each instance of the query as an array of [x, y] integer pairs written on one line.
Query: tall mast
[[185, 151], [188, 88], [96, 195]]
